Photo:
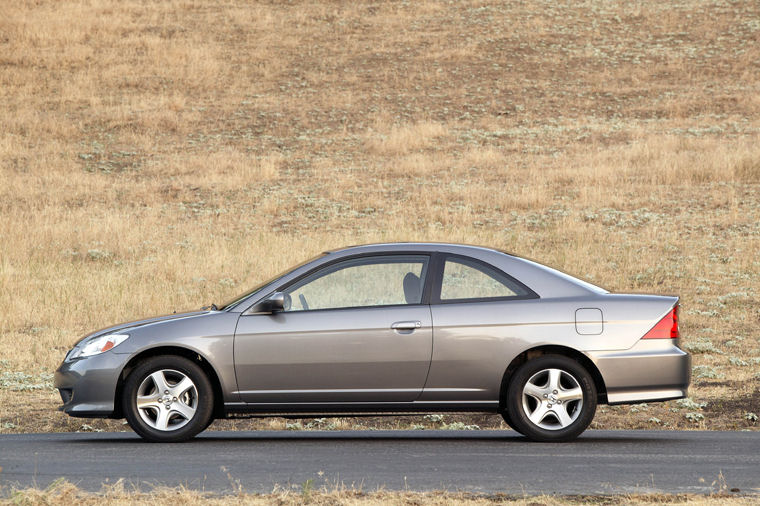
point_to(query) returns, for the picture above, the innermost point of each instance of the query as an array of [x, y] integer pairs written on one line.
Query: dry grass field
[[64, 494], [158, 156]]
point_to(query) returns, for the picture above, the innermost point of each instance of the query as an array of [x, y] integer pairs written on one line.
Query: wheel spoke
[[562, 415], [182, 387], [184, 410], [534, 391], [147, 402], [539, 414], [160, 381], [573, 394], [554, 375], [162, 419]]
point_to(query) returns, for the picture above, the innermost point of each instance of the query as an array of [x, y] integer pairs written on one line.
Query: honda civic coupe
[[388, 329]]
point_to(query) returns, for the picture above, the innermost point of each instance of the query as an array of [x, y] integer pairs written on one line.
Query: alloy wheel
[[167, 400], [552, 399]]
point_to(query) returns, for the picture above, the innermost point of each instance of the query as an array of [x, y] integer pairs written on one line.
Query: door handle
[[409, 325]]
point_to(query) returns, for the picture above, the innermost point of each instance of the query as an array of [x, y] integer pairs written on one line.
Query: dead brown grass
[[160, 156], [65, 493]]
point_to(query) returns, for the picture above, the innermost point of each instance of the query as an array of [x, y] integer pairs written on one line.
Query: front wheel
[[168, 399], [551, 398]]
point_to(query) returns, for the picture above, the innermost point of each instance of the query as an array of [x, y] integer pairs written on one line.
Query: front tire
[[551, 399], [168, 399]]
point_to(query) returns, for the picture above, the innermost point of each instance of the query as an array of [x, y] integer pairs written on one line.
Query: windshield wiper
[[212, 307]]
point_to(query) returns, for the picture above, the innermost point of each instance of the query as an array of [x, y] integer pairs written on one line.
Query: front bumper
[[651, 370], [88, 385]]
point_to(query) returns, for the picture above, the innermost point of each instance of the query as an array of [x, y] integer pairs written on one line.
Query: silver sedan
[[388, 329]]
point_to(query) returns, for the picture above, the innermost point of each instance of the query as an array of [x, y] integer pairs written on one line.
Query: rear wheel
[[508, 418], [551, 398], [168, 399]]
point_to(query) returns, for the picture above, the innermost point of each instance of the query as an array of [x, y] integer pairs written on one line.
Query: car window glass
[[371, 281], [240, 298], [470, 280]]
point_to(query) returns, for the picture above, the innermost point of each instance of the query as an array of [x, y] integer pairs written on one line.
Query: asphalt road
[[599, 462]]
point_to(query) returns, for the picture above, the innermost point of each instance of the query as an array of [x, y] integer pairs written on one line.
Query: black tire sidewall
[[520, 418], [203, 413], [507, 416]]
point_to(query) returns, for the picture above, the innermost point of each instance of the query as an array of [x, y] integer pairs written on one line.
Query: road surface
[[599, 462]]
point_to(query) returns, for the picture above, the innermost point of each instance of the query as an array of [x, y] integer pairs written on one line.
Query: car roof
[[541, 279], [547, 279], [414, 246]]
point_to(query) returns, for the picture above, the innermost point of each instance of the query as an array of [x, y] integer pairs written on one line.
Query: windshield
[[240, 298]]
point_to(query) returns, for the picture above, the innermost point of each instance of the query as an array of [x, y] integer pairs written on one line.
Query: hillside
[[156, 156]]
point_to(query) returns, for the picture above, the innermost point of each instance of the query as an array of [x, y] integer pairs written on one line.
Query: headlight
[[96, 345]]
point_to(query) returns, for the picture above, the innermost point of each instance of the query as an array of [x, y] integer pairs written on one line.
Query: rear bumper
[[652, 370], [88, 385]]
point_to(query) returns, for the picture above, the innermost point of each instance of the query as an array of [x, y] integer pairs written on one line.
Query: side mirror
[[272, 304]]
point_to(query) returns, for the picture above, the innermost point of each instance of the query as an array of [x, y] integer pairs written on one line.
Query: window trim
[[428, 272], [440, 264]]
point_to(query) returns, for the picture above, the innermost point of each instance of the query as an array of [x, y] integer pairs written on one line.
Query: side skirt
[[355, 409]]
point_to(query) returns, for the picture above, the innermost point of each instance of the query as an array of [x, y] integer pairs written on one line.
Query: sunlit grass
[[160, 157]]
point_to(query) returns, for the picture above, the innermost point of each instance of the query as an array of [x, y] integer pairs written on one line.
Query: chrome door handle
[[410, 325]]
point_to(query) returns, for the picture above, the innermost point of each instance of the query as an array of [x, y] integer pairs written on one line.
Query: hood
[[141, 323]]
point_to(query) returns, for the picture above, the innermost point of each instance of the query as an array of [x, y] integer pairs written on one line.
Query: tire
[[508, 418], [184, 408], [551, 399]]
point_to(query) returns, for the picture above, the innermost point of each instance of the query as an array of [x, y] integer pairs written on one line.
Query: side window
[[368, 281], [463, 279]]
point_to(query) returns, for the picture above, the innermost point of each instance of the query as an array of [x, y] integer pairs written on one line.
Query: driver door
[[353, 331]]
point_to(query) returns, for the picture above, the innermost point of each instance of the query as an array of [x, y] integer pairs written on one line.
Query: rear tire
[[508, 418], [551, 398], [168, 399]]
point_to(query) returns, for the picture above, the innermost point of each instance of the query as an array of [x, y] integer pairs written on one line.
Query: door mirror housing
[[272, 304]]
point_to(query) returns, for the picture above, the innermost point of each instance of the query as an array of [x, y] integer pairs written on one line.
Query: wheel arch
[[566, 351], [179, 351]]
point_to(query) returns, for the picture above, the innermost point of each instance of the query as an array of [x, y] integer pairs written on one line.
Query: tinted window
[[463, 279], [369, 281]]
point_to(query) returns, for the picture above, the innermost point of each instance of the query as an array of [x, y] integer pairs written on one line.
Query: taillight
[[667, 328]]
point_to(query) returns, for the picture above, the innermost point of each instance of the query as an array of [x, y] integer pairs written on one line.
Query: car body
[[399, 328]]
